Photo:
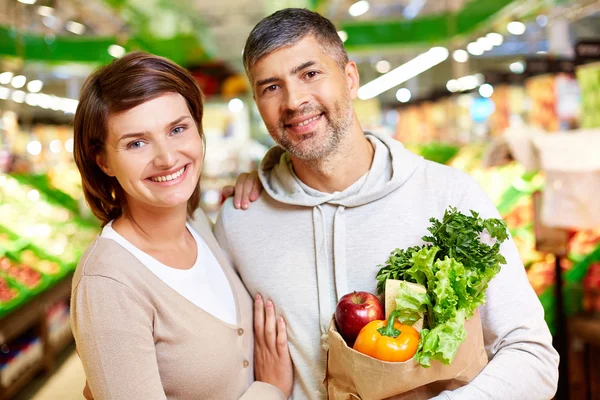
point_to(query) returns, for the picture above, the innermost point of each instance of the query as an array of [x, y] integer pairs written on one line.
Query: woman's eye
[[178, 130], [136, 144]]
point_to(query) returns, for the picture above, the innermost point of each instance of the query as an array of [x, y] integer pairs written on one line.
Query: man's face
[[305, 98]]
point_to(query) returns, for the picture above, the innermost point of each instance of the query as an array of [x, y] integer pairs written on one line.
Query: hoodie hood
[[392, 165]]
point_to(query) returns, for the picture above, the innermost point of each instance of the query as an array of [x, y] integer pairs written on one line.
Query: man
[[337, 201]]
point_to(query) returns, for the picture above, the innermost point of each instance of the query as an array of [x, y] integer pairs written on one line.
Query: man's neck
[[352, 160]]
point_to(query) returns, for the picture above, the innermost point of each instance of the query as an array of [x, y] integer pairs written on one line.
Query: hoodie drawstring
[[339, 265], [325, 312], [339, 253]]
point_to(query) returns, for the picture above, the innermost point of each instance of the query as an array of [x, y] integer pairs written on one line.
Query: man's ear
[[103, 165], [352, 78]]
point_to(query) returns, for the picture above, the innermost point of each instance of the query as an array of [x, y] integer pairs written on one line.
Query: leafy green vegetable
[[410, 305], [442, 342], [395, 267], [455, 265]]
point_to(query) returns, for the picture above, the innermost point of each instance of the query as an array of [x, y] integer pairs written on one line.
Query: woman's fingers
[[239, 190], [282, 340], [259, 320], [270, 326], [247, 189], [257, 187]]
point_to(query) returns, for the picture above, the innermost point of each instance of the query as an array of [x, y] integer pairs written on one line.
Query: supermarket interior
[[506, 90]]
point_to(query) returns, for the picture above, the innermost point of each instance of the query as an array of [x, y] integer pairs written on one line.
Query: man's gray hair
[[287, 27]]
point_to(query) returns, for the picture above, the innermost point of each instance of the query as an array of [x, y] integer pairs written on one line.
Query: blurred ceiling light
[[486, 90], [51, 22], [403, 95], [35, 86], [452, 85], [343, 35], [45, 11], [401, 74], [56, 146], [495, 38], [542, 52], [44, 101], [517, 67], [465, 83], [18, 81], [236, 105], [75, 27], [359, 8], [18, 96], [69, 145], [460, 56], [516, 28], [32, 99], [4, 93], [27, 1], [34, 147], [116, 51], [485, 43], [413, 8], [475, 48], [383, 66], [6, 77]]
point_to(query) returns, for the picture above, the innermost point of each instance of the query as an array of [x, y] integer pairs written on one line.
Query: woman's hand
[[272, 361], [247, 189]]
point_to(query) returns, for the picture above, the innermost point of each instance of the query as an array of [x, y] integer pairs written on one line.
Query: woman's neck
[[149, 227]]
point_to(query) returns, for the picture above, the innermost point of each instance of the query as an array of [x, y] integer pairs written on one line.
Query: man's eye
[[271, 88], [311, 74]]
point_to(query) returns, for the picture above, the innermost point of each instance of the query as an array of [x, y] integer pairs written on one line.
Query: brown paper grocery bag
[[353, 375]]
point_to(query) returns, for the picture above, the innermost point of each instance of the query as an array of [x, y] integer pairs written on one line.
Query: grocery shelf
[[32, 315], [21, 382]]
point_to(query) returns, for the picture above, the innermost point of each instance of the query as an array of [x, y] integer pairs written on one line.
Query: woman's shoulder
[[106, 258]]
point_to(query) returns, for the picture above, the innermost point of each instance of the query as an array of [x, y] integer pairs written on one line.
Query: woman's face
[[155, 152]]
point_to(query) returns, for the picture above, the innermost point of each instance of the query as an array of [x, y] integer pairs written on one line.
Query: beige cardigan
[[140, 339]]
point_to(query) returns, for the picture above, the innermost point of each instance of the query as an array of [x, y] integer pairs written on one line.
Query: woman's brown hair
[[120, 86]]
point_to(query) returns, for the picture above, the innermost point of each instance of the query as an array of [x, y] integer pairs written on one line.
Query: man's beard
[[338, 122]]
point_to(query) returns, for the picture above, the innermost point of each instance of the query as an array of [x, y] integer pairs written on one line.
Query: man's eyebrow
[[302, 67], [294, 71], [267, 81]]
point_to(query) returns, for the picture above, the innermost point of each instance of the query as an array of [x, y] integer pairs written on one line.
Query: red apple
[[354, 311]]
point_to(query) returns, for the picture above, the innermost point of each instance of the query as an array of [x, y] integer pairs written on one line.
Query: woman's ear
[[103, 165]]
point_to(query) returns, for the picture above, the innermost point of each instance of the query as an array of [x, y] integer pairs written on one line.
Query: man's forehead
[[305, 50]]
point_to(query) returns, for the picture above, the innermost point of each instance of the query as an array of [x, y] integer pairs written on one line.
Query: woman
[[157, 311]]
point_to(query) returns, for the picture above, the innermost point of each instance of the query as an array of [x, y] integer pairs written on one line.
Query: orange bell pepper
[[388, 340]]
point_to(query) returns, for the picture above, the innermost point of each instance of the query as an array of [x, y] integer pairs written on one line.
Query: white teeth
[[168, 177], [308, 121]]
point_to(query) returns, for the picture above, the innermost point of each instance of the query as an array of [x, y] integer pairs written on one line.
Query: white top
[[205, 284]]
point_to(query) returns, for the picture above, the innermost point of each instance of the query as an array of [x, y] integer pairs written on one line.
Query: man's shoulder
[[442, 177], [265, 204]]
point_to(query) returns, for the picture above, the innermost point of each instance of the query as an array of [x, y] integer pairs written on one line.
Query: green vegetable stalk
[[455, 266]]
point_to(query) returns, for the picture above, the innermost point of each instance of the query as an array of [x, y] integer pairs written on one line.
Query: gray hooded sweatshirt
[[305, 249]]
